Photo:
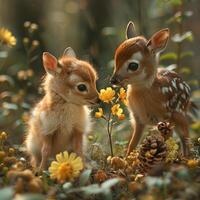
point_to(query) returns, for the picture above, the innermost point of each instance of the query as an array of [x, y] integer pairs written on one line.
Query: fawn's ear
[[158, 41], [69, 52], [50, 63], [130, 30]]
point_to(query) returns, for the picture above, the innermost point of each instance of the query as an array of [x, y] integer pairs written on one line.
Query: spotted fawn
[[154, 94]]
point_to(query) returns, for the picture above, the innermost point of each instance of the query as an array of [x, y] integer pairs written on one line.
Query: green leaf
[[168, 56], [176, 2], [3, 54], [92, 189], [176, 18], [10, 106], [6, 193], [84, 177], [194, 83], [108, 31], [185, 36], [185, 70], [108, 194], [188, 13], [187, 53], [109, 183], [66, 186]]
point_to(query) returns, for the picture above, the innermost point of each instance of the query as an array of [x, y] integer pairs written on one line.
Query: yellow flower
[[7, 38], [122, 95], [116, 110], [172, 150], [107, 95], [66, 168], [99, 114], [121, 117], [3, 136], [193, 163]]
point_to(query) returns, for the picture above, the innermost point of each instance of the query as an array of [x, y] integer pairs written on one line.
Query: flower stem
[[109, 130]]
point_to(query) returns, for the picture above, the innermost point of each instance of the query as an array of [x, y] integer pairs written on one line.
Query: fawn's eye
[[82, 87], [133, 66]]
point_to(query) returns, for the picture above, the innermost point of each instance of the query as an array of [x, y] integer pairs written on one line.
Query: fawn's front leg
[[45, 151], [77, 141], [183, 131], [136, 136]]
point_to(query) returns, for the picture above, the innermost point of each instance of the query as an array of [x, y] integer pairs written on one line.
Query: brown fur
[[60, 119], [151, 91]]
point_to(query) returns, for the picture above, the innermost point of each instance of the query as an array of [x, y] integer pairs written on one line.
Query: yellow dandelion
[[116, 110], [99, 114], [107, 95], [122, 95], [66, 167], [7, 38], [172, 150]]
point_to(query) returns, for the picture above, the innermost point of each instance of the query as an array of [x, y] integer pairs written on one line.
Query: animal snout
[[114, 80]]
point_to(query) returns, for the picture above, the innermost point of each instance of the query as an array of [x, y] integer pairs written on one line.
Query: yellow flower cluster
[[122, 95], [116, 110], [66, 167], [107, 95], [172, 150], [7, 38]]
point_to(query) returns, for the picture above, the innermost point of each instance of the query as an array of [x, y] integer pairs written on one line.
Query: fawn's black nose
[[114, 80]]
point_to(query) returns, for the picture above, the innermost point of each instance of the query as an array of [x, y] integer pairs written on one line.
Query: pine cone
[[166, 129], [152, 152]]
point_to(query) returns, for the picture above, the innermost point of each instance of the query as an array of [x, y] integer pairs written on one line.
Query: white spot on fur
[[136, 56], [75, 78], [174, 84], [187, 91], [165, 90], [183, 96], [179, 104], [181, 86]]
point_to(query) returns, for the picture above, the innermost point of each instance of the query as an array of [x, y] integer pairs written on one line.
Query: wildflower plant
[[66, 167], [7, 38], [113, 100]]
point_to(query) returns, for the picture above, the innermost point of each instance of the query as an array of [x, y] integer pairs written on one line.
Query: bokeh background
[[94, 28]]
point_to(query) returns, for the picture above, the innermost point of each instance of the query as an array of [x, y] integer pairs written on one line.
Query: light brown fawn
[[154, 94], [60, 119]]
